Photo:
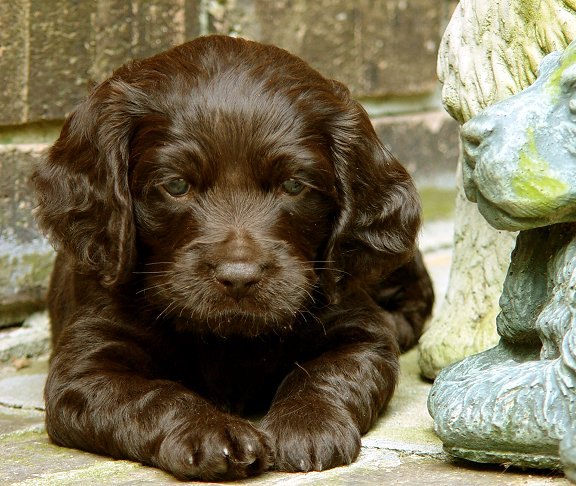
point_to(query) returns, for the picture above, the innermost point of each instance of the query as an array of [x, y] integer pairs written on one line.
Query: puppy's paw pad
[[227, 449], [300, 446]]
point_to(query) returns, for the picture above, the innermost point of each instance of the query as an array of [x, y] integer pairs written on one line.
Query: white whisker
[[160, 272], [152, 287]]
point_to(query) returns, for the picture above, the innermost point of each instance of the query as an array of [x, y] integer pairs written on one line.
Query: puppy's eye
[[177, 187], [293, 187]]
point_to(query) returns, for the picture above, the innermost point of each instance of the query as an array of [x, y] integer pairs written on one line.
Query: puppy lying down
[[232, 238]]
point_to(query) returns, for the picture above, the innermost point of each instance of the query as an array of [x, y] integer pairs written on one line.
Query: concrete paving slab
[[31, 339], [23, 391], [15, 421]]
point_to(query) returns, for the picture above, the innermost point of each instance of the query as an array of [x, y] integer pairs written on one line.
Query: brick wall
[[384, 50]]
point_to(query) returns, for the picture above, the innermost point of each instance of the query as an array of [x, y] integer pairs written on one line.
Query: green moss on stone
[[39, 266], [534, 180], [437, 203], [554, 84], [41, 132], [530, 11], [24, 277], [26, 270]]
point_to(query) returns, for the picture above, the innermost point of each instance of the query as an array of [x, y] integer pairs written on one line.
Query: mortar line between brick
[[20, 407], [405, 452]]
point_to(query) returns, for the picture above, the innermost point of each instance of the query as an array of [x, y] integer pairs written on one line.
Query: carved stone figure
[[516, 402], [490, 51]]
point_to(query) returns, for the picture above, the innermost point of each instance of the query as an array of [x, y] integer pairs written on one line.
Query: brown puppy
[[232, 237]]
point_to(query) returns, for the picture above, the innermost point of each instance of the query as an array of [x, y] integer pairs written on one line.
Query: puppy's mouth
[[249, 315], [197, 301], [273, 298], [242, 306]]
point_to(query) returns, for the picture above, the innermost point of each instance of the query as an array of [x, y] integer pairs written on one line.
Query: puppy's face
[[235, 199], [222, 179]]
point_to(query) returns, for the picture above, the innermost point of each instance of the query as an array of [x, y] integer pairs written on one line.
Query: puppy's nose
[[238, 277]]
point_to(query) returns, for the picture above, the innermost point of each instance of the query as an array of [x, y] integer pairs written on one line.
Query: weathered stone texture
[[59, 60], [125, 30], [16, 201], [51, 51], [112, 37], [24, 275], [159, 24], [31, 339], [13, 62], [426, 144], [25, 257], [377, 48]]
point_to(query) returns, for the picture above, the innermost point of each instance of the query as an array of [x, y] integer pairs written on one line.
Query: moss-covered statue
[[516, 402], [491, 49]]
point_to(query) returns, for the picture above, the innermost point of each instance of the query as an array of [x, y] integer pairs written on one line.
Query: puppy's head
[[232, 182]]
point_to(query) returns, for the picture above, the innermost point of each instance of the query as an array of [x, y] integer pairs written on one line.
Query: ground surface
[[402, 449]]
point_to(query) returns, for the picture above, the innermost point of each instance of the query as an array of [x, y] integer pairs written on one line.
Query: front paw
[[311, 440], [220, 448]]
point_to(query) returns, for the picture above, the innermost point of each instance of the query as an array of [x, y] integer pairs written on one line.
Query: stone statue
[[516, 402], [490, 51]]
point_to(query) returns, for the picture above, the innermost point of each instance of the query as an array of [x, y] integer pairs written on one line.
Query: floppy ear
[[84, 203], [380, 210]]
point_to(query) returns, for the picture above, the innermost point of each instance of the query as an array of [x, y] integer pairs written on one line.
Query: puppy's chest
[[240, 375]]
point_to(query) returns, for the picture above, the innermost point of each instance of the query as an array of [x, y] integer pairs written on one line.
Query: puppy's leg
[[408, 296], [103, 395], [323, 407]]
